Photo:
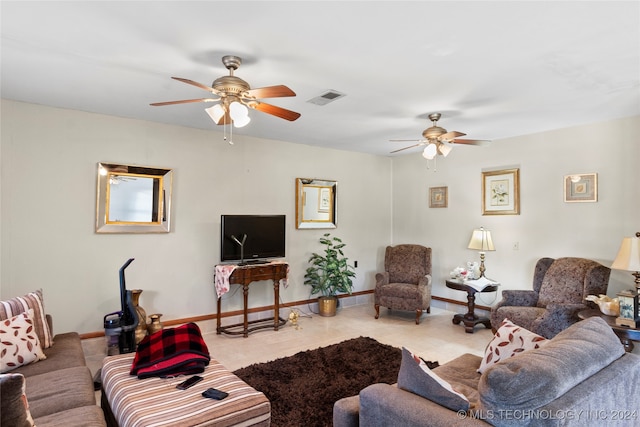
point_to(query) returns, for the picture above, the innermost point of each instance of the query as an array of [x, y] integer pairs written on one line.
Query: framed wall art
[[324, 199], [501, 192], [438, 197], [581, 187]]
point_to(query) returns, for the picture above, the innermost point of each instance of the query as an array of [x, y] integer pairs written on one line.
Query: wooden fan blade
[[270, 92], [450, 135], [275, 111], [406, 148], [196, 84], [184, 101], [470, 141]]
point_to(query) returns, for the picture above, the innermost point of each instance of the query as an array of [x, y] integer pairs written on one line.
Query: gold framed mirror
[[316, 203], [133, 199]]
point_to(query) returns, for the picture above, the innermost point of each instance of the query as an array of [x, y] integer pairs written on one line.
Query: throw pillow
[[417, 378], [19, 344], [15, 408], [35, 301], [509, 340]]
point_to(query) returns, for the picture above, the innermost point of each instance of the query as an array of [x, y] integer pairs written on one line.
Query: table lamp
[[628, 259], [481, 241]]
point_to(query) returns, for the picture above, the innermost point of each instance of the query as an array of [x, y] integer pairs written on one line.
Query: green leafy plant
[[330, 274]]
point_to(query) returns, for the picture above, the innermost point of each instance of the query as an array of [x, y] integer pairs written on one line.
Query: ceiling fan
[[438, 140], [235, 95]]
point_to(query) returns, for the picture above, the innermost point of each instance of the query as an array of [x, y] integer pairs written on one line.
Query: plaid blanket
[[171, 352]]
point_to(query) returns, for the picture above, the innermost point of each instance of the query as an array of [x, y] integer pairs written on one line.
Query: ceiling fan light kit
[[236, 97], [437, 140], [430, 151], [444, 149]]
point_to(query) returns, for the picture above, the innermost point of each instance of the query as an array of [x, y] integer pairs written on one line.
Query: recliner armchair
[[406, 282], [560, 287]]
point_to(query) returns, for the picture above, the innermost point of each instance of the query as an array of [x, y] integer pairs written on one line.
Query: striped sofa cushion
[[35, 301], [156, 401]]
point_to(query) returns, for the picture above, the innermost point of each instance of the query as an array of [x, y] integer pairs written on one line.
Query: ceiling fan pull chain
[[224, 131]]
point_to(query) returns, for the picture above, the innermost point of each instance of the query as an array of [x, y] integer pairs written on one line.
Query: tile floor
[[435, 338]]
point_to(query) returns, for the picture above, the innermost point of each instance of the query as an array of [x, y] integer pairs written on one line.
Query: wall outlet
[[516, 246], [355, 264]]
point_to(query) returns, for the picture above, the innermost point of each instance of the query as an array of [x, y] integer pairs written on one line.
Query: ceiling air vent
[[327, 97]]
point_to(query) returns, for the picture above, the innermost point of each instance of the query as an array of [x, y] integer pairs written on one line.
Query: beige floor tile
[[435, 338]]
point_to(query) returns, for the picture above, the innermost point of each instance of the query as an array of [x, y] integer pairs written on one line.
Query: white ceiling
[[493, 69]]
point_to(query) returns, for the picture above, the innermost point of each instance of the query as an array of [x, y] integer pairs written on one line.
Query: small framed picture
[[324, 199], [438, 197], [581, 187], [629, 310], [501, 192]]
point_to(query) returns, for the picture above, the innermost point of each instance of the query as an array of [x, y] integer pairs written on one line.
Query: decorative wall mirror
[[316, 203], [133, 199]]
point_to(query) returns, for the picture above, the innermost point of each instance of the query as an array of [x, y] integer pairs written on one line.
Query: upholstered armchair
[[560, 287], [405, 283]]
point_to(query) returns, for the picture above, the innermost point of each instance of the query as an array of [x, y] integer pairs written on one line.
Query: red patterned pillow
[[509, 340], [19, 344]]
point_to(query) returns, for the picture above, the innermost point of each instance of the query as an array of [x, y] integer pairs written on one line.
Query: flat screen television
[[252, 238]]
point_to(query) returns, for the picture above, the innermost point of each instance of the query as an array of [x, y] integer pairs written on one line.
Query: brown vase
[[155, 325], [141, 329]]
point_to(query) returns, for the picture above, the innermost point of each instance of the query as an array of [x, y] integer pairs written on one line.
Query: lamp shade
[[629, 255], [430, 151], [481, 240], [241, 121], [444, 149], [237, 110], [216, 112]]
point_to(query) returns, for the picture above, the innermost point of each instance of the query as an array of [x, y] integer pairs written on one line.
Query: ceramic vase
[[155, 325], [141, 329]]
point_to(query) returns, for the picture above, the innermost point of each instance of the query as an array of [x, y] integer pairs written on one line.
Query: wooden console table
[[244, 275], [470, 319]]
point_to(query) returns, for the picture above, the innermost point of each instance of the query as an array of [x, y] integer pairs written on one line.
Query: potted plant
[[329, 274]]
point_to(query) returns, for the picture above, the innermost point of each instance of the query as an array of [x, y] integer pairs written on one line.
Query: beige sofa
[[59, 389], [580, 377]]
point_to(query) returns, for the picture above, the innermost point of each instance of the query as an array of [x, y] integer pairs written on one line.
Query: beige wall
[[547, 226], [49, 159]]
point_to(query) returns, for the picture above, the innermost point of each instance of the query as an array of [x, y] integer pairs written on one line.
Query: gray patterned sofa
[[580, 377]]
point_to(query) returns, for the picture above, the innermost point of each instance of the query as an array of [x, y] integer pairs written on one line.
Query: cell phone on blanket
[[216, 394], [189, 382]]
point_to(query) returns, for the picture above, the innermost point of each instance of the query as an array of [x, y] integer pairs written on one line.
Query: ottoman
[[131, 402]]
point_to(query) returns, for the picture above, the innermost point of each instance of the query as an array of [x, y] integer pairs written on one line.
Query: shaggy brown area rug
[[303, 388]]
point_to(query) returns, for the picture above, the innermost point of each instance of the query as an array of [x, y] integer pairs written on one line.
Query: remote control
[[190, 382]]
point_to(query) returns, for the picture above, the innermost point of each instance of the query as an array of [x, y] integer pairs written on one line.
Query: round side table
[[470, 319]]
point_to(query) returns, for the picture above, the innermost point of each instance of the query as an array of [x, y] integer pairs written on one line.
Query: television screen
[[263, 237]]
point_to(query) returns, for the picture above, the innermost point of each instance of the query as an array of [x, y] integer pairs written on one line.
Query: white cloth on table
[[224, 271]]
